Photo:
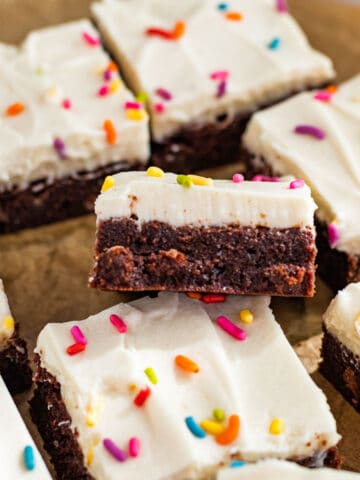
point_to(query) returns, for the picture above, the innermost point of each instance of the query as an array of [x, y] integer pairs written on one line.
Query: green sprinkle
[[219, 415], [150, 373], [184, 181], [141, 97]]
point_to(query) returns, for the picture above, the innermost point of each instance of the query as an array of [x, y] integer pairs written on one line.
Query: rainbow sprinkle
[[213, 298], [276, 426], [194, 428], [238, 178], [246, 316], [118, 323], [175, 34], [274, 44], [159, 108], [237, 464], [231, 431], [311, 130], [298, 183], [114, 450], [164, 94], [184, 181], [134, 447], [29, 458], [265, 178], [109, 182], [333, 234], [186, 364], [155, 172], [323, 96], [219, 415], [103, 91], [212, 428], [142, 396], [66, 103], [133, 105], [281, 6], [75, 349], [234, 16], [135, 114], [230, 328], [201, 181], [78, 335], [220, 75], [60, 148], [110, 132], [150, 373], [14, 109], [90, 40]]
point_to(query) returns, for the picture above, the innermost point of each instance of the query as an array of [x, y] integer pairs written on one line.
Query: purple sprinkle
[[164, 94], [114, 450], [59, 146], [221, 91], [315, 132], [333, 234], [281, 6], [264, 178], [107, 75], [298, 183]]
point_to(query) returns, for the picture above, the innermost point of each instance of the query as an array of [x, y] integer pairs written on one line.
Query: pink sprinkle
[[78, 335], [107, 75], [298, 183], [164, 94], [59, 146], [281, 6], [104, 90], [221, 91], [134, 446], [264, 178], [315, 132], [238, 178], [220, 75], [323, 96], [118, 323], [159, 107], [133, 106], [333, 234], [90, 40], [230, 328], [66, 104], [114, 450]]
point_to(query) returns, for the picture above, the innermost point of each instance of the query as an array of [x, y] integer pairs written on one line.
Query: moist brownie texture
[[67, 119], [251, 238], [166, 350], [306, 136], [197, 118], [14, 365], [341, 344]]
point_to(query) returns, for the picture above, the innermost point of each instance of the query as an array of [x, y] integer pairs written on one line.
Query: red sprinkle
[[75, 349], [133, 106], [90, 40], [220, 75], [213, 298], [264, 178], [142, 396], [66, 104], [104, 90], [175, 34], [118, 323], [323, 96], [159, 107]]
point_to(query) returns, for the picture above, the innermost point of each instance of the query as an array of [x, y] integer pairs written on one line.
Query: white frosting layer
[[6, 320], [330, 166], [158, 330], [271, 204], [279, 470], [14, 437], [52, 65], [342, 318], [257, 74]]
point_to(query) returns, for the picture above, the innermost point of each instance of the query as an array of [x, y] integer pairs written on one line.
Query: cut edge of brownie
[[14, 364], [341, 367], [44, 202], [54, 425], [229, 259]]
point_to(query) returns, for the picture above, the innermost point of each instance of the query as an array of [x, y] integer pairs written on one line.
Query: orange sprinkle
[[234, 16], [332, 88], [112, 67], [195, 295], [179, 30], [186, 364], [110, 131], [15, 109], [231, 431]]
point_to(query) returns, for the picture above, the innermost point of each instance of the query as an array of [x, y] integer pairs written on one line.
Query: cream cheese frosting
[[330, 165], [14, 437], [53, 92], [279, 470], [7, 324], [237, 41], [271, 204], [342, 318], [106, 378]]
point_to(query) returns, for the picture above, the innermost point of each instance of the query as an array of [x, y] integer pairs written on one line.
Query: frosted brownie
[[192, 390], [66, 121], [205, 66], [279, 470], [317, 136], [190, 233], [19, 457], [14, 366], [341, 343]]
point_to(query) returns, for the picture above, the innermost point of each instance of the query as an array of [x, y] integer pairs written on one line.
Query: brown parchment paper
[[45, 270]]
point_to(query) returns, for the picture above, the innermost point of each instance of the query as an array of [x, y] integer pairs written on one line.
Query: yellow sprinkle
[[90, 457], [109, 182], [201, 181], [8, 323], [212, 428], [93, 413], [115, 85], [155, 172], [276, 426], [246, 316], [135, 114], [150, 373]]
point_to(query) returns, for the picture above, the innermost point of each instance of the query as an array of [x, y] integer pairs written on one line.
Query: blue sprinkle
[[194, 428], [274, 44], [29, 458], [237, 464], [223, 7]]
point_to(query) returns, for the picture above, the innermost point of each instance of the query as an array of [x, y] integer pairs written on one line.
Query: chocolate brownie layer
[[14, 365], [44, 202], [341, 367], [335, 267], [226, 259]]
